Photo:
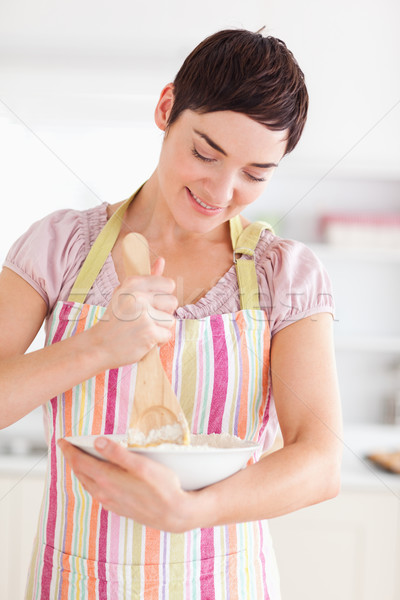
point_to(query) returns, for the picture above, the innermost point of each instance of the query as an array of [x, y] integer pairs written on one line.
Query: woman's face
[[213, 165]]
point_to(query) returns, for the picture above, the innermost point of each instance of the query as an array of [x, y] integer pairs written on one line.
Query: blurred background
[[78, 85]]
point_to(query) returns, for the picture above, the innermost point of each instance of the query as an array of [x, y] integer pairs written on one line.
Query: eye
[[255, 179], [200, 156]]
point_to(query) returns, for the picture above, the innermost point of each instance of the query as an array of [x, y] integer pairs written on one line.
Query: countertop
[[357, 472]]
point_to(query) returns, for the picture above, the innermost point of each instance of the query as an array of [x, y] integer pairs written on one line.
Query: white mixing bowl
[[208, 458]]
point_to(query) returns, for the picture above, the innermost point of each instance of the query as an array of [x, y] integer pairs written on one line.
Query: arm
[[305, 471], [139, 316]]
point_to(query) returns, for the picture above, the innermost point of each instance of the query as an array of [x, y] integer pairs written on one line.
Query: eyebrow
[[211, 143]]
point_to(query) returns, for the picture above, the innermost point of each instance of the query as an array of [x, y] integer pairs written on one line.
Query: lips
[[204, 205]]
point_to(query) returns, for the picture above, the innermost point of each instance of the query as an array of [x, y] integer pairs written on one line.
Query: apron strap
[[236, 228], [246, 272], [98, 253], [244, 242]]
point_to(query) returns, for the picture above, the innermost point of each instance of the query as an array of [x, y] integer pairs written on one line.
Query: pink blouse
[[293, 283]]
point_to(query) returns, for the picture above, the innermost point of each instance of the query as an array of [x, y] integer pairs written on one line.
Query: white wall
[[79, 81], [85, 76], [349, 51]]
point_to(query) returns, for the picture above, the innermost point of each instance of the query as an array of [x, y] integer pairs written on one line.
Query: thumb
[[124, 458], [158, 266]]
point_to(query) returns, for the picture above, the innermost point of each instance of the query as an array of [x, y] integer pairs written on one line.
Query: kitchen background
[[78, 86]]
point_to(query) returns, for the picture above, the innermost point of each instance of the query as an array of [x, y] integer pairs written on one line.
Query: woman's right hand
[[139, 316]]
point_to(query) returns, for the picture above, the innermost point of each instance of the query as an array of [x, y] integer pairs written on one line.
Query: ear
[[164, 106]]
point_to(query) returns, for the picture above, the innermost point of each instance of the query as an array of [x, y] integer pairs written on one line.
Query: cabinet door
[[345, 548], [19, 508]]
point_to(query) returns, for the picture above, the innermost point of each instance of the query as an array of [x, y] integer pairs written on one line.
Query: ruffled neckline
[[215, 297], [212, 301]]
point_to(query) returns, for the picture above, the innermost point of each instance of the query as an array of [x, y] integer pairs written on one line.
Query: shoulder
[[295, 257], [62, 226], [293, 280], [52, 249]]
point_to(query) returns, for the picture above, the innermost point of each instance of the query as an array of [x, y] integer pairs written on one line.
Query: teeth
[[203, 203]]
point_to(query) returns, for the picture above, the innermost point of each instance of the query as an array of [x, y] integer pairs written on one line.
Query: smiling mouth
[[203, 204]]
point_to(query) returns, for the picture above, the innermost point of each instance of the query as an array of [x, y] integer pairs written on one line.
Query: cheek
[[249, 196], [187, 167], [254, 190], [174, 168]]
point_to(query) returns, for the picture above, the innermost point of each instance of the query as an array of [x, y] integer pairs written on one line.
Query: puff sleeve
[[48, 255], [294, 284]]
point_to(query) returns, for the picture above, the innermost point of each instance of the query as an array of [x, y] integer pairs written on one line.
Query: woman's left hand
[[132, 485]]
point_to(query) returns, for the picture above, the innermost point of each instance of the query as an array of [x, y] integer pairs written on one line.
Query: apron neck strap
[[244, 242], [245, 246], [98, 253], [236, 228]]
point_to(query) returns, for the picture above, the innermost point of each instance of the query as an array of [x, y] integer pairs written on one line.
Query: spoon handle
[[155, 404]]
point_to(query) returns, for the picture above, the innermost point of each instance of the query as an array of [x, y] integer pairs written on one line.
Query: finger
[[137, 464], [158, 266], [66, 448], [89, 484], [85, 468], [164, 336], [81, 462], [148, 283], [160, 318], [165, 302], [161, 300]]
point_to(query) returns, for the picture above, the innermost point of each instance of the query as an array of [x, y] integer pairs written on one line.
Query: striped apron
[[219, 369]]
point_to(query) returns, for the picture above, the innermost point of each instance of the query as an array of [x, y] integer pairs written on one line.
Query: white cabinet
[[20, 498], [347, 548]]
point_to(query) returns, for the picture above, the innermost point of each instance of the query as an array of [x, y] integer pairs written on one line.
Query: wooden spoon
[[156, 416]]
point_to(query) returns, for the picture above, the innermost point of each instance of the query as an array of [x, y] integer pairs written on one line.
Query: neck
[[150, 215]]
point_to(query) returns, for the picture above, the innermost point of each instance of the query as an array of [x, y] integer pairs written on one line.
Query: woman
[[262, 351]]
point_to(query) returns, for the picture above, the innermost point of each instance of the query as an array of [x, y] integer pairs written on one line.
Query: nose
[[221, 187]]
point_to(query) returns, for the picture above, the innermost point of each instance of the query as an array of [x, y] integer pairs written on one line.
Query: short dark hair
[[242, 71]]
